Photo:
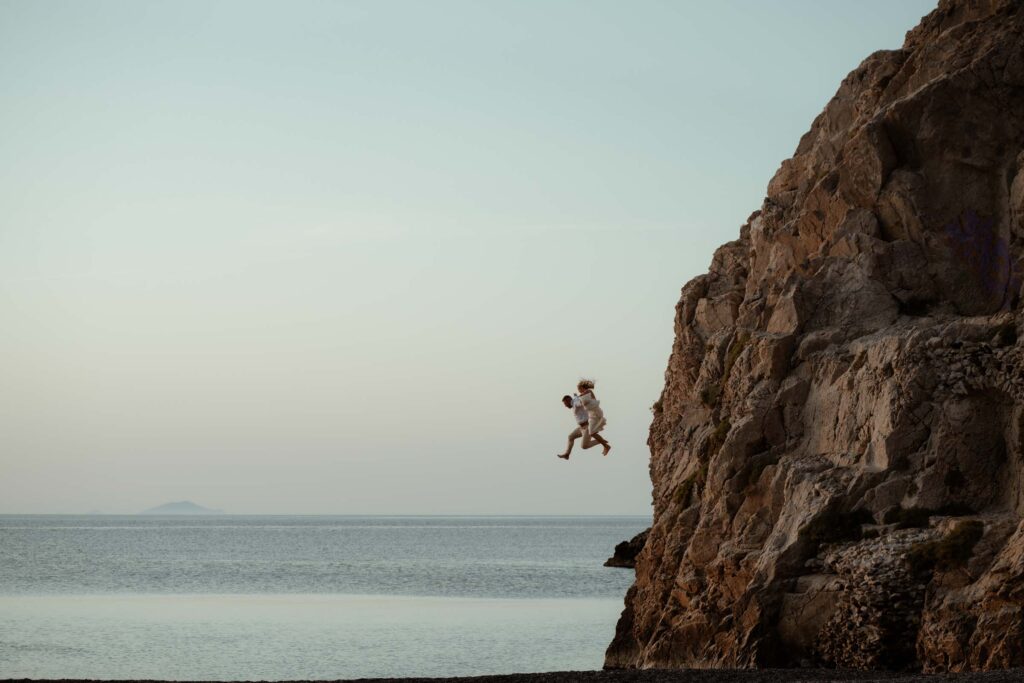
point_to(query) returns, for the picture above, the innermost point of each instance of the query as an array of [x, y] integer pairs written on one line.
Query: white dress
[[593, 406]]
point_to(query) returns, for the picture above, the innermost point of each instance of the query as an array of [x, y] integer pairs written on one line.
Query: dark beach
[[682, 676]]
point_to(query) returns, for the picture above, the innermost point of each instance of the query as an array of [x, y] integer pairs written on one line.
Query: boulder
[[626, 552]]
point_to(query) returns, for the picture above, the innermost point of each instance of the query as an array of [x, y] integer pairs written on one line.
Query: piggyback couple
[[589, 419]]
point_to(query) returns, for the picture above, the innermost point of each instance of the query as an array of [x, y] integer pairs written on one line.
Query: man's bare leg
[[573, 435]]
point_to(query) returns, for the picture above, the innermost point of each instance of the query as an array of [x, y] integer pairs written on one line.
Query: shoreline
[[648, 676]]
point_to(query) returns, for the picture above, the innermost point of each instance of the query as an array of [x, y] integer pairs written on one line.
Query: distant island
[[184, 507]]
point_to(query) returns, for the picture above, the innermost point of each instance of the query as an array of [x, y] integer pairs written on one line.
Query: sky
[[316, 257]]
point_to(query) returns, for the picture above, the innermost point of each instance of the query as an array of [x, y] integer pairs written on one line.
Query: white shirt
[[582, 417]]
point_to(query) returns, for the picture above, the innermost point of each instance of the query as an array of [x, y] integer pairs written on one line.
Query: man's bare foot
[[607, 447], [563, 456]]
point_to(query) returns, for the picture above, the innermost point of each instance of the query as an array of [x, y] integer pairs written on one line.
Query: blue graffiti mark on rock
[[976, 241]]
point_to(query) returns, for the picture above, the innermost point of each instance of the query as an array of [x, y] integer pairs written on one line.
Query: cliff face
[[838, 452]]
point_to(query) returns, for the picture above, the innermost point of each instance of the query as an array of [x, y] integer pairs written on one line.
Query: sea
[[227, 597]]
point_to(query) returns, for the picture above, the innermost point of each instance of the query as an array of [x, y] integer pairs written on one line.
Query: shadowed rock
[[626, 552]]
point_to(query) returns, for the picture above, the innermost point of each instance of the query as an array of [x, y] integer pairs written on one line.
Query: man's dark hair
[[567, 397]]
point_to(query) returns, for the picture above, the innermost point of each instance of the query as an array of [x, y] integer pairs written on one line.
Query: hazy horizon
[[346, 257], [382, 515]]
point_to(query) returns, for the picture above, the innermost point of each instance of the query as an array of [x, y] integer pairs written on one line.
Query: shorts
[[583, 431]]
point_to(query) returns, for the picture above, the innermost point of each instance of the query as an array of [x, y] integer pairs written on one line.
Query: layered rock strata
[[837, 456]]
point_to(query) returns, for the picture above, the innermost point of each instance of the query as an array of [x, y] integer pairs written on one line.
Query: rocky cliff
[[838, 452]]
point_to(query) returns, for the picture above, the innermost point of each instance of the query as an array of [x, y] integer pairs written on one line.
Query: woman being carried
[[596, 422]]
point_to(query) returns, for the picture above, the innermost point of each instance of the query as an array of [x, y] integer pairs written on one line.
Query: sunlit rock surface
[[838, 452]]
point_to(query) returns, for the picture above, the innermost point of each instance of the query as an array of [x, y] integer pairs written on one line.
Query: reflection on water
[[226, 637]]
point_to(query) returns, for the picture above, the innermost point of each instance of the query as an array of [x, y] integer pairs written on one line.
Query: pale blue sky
[[345, 257]]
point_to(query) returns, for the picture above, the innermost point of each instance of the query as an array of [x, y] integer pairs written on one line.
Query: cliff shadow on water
[[837, 456]]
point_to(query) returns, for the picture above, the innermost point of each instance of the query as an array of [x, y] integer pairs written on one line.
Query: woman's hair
[[585, 384]]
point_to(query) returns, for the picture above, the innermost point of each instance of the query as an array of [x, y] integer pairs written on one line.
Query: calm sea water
[[268, 597]]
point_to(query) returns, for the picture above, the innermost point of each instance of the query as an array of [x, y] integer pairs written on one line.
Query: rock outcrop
[[838, 452], [626, 552]]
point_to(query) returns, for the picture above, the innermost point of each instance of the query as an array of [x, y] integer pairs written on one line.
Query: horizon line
[[310, 514]]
